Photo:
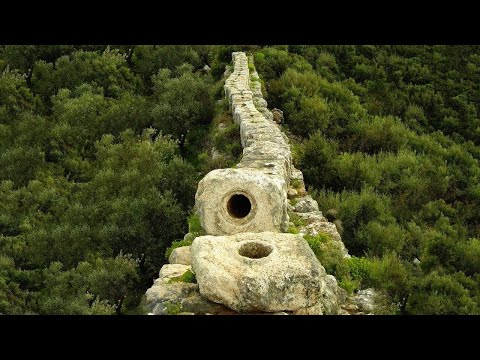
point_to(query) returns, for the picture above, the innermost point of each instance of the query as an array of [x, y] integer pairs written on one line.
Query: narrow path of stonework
[[252, 197], [266, 148], [263, 196]]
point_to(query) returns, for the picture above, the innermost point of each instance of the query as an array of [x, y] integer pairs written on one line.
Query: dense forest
[[101, 149]]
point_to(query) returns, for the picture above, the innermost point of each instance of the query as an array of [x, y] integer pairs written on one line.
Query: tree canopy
[[388, 140]]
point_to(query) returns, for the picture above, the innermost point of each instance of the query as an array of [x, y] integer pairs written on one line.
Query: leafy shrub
[[390, 274], [378, 239], [297, 220], [328, 253], [292, 229], [227, 141], [271, 62], [441, 294], [349, 285], [361, 269]]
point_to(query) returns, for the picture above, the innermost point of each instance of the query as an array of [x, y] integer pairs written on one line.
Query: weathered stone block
[[251, 272], [306, 204], [230, 201], [180, 255], [169, 271]]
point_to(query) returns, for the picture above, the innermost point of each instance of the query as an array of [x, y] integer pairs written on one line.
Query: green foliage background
[[388, 140], [100, 155]]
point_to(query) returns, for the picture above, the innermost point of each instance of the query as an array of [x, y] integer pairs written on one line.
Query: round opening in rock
[[255, 250], [239, 206]]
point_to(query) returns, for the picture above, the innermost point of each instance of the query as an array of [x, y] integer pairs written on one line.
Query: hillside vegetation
[[388, 140], [101, 149]]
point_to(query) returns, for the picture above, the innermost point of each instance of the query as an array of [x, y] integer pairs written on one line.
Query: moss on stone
[[187, 277], [349, 285], [315, 242], [297, 220], [296, 184], [292, 229], [194, 224], [172, 309]]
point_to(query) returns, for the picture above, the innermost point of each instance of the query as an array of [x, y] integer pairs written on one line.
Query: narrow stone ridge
[[252, 197], [264, 141], [246, 208], [265, 145]]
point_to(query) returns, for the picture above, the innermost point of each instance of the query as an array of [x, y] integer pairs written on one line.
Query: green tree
[[181, 102], [147, 60], [440, 294], [107, 70], [94, 287]]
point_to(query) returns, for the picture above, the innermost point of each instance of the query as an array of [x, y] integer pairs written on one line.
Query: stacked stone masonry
[[248, 206], [252, 197]]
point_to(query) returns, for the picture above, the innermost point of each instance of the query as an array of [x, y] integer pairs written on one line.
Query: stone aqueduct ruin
[[248, 262], [253, 196]]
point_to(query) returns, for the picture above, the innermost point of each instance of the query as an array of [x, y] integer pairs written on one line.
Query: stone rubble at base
[[334, 300]]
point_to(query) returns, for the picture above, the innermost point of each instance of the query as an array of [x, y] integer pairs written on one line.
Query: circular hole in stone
[[238, 206], [255, 250]]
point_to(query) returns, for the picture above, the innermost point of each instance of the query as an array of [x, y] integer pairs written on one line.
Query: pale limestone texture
[[266, 195], [180, 255], [167, 272], [186, 295], [333, 297], [316, 309], [250, 272], [163, 292], [306, 204], [278, 116], [365, 300], [263, 174]]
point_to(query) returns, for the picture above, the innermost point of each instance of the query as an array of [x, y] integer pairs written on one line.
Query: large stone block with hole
[[231, 201], [251, 272]]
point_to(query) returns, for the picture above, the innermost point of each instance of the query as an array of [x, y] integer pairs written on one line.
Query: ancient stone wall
[[265, 145], [248, 265], [252, 197]]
